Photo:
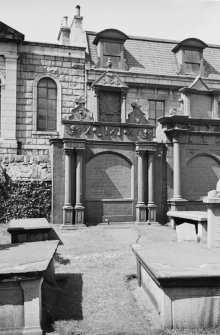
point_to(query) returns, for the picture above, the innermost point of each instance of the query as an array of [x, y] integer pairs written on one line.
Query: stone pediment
[[111, 80], [199, 85], [8, 33]]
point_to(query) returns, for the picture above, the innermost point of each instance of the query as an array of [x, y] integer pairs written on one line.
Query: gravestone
[[186, 232]]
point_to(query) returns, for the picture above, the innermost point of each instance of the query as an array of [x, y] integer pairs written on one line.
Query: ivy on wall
[[24, 199]]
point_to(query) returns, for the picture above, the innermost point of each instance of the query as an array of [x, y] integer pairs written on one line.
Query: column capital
[[80, 150], [124, 93], [68, 152], [96, 89], [140, 153]]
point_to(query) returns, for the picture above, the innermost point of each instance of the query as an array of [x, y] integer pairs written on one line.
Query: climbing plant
[[24, 199]]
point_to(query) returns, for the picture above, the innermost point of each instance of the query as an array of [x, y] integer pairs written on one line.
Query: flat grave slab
[[182, 281], [23, 268], [29, 230], [198, 218]]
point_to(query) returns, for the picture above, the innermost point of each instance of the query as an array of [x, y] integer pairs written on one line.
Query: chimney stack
[[77, 35], [64, 33]]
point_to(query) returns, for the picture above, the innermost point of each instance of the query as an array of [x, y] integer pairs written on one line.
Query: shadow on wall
[[62, 302], [131, 61]]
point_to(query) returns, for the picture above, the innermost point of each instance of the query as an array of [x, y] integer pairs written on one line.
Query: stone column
[[123, 107], [177, 202], [32, 306], [67, 207], [176, 170], [96, 96], [141, 216], [151, 205], [79, 208]]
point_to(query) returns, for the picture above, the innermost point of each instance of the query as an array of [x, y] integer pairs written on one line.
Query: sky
[[40, 20]]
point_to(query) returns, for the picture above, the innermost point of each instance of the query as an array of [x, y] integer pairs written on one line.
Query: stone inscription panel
[[108, 176]]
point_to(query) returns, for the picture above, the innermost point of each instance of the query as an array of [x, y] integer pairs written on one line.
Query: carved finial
[[77, 10], [80, 100], [65, 21], [109, 63]]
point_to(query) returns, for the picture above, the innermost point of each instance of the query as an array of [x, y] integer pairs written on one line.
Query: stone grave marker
[[186, 232]]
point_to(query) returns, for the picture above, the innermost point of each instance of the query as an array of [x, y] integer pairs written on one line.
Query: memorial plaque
[[108, 176]]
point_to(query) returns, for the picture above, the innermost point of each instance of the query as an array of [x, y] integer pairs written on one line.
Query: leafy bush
[[24, 199]]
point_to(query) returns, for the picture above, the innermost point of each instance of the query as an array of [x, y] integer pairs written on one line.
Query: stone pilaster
[[8, 126], [151, 205], [79, 208], [32, 306], [67, 207], [141, 215]]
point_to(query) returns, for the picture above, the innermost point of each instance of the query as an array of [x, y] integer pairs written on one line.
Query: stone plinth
[[23, 268], [213, 223], [182, 281], [29, 230]]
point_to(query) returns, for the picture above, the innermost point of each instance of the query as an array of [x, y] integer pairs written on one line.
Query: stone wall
[[68, 71], [20, 167]]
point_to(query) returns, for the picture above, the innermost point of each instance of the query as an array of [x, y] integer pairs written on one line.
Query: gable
[[109, 79], [8, 33], [199, 85]]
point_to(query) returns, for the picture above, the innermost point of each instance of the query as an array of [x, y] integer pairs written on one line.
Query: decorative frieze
[[108, 132]]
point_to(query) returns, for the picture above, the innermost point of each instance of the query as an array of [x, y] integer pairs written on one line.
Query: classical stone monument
[[123, 127]]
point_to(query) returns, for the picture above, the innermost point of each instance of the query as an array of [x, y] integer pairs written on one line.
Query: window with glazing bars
[[46, 105], [192, 61], [156, 110]]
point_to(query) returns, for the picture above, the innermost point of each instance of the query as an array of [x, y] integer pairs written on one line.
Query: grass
[[96, 291]]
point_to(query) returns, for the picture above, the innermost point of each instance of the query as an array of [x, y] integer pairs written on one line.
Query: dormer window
[[189, 54], [192, 61], [112, 52], [110, 48]]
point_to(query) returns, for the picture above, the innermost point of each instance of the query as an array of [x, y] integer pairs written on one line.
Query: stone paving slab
[[26, 258]]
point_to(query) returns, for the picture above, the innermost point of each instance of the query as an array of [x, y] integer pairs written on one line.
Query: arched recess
[[109, 187], [59, 96], [203, 173]]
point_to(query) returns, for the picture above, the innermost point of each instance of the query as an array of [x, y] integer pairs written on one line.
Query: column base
[[177, 204], [152, 212], [67, 214], [79, 214], [141, 213]]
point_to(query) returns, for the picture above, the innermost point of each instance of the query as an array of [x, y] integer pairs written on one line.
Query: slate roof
[[155, 56]]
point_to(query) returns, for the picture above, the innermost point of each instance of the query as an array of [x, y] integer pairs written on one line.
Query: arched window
[[46, 105]]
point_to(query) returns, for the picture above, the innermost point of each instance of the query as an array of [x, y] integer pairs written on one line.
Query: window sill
[[45, 133]]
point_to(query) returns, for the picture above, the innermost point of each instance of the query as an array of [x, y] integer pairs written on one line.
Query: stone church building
[[125, 127]]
